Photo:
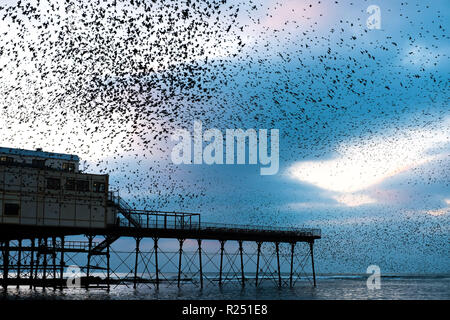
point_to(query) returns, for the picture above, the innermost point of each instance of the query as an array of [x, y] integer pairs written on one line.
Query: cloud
[[441, 211], [364, 163], [354, 199], [280, 14], [424, 56]]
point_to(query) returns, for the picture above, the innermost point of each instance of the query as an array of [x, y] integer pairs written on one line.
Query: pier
[[37, 247]]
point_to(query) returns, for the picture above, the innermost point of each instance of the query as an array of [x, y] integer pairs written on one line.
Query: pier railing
[[186, 224], [172, 220]]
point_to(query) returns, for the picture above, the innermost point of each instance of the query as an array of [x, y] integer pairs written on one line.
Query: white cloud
[[364, 163], [353, 199], [441, 211], [438, 212], [424, 56]]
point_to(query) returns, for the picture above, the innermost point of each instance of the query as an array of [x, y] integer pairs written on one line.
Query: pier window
[[11, 209], [53, 183], [38, 163], [99, 187], [68, 166], [82, 185], [70, 185], [6, 159]]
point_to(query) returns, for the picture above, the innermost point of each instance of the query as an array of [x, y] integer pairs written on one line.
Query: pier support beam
[[19, 261], [179, 261], [277, 247], [311, 245], [242, 263], [257, 262], [31, 262], [136, 261], [292, 264], [222, 247], [44, 264], [108, 278], [5, 252], [199, 241], [54, 261], [38, 256], [88, 267], [155, 244], [61, 267]]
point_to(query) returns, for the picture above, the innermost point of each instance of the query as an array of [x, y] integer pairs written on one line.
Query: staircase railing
[[127, 211]]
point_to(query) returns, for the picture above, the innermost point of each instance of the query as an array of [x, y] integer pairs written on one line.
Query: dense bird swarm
[[126, 73]]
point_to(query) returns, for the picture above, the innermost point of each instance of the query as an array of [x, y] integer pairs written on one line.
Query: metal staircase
[[145, 219], [127, 211]]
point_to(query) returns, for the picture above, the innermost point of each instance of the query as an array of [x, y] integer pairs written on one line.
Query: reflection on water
[[328, 287]]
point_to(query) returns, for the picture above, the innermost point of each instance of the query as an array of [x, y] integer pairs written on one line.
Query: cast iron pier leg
[[292, 263], [222, 245], [138, 240], [19, 259], [61, 267], [179, 261], [155, 243], [277, 246], [44, 264], [88, 261], [5, 264], [54, 261], [107, 267], [257, 262], [38, 257], [200, 261], [31, 262], [311, 245], [242, 263]]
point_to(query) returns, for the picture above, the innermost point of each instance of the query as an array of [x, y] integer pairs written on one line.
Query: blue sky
[[364, 124], [371, 162]]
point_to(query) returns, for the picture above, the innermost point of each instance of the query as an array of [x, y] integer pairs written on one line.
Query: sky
[[363, 115]]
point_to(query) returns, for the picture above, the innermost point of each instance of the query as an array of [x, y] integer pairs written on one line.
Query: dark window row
[[6, 159], [40, 163], [68, 166], [11, 209], [75, 185]]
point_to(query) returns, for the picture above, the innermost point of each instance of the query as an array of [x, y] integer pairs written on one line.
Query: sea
[[328, 287]]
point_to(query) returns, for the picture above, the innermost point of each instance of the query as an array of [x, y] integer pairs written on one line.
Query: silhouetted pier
[[45, 200]]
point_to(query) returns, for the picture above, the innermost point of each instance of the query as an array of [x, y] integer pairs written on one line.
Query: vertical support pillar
[[179, 261], [138, 240], [108, 267], [242, 263], [31, 262], [61, 261], [277, 247], [5, 264], [38, 256], [155, 243], [292, 264], [311, 245], [44, 264], [222, 246], [199, 241], [54, 261], [257, 262], [88, 267], [19, 261]]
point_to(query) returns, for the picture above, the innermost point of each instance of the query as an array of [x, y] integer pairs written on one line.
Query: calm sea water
[[328, 287]]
